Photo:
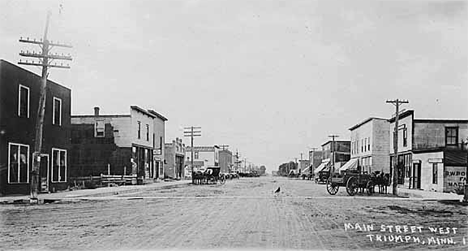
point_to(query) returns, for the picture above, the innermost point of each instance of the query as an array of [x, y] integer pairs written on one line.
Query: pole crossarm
[[396, 103], [45, 58]]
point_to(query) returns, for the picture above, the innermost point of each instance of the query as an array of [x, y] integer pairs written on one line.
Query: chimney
[[96, 111]]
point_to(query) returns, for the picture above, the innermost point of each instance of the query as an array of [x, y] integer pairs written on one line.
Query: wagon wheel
[[370, 187], [222, 179], [332, 188], [352, 186]]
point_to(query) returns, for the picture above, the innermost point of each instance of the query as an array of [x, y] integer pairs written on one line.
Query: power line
[[397, 104], [192, 131], [44, 59]]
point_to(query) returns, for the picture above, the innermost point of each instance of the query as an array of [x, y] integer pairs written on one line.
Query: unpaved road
[[242, 213]]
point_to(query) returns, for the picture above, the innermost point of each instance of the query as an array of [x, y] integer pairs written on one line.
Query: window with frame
[[57, 112], [368, 144], [18, 163], [434, 173], [405, 137], [59, 165], [139, 130], [195, 155], [99, 129], [23, 101], [147, 132], [451, 136]]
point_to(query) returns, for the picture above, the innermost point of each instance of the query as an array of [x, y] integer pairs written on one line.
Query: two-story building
[[315, 159], [124, 144], [432, 153], [19, 101], [174, 157], [337, 152], [159, 139], [225, 160], [369, 146], [203, 156]]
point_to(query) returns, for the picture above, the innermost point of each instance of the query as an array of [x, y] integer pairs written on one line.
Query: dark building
[[19, 100], [119, 144]]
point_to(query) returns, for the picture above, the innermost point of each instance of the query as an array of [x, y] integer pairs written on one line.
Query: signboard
[[157, 151], [454, 178]]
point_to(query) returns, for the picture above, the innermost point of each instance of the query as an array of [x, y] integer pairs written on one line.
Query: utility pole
[[192, 131], [396, 103], [45, 61], [333, 136], [237, 160]]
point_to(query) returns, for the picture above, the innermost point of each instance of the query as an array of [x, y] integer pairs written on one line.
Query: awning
[[351, 164], [322, 166]]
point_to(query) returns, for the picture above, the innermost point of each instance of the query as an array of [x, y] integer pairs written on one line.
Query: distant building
[[432, 153], [339, 151], [124, 144], [370, 142], [225, 160], [175, 159], [203, 156], [315, 159], [19, 100], [304, 165]]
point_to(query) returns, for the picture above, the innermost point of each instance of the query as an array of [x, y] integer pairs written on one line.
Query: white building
[[370, 146]]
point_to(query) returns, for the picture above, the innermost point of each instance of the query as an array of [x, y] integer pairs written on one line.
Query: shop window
[[23, 102], [59, 165], [57, 112], [18, 163], [451, 136], [434, 173]]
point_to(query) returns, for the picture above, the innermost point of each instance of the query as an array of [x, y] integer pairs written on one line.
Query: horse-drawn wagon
[[209, 175], [352, 180]]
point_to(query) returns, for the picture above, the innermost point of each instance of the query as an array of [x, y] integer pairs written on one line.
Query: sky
[[270, 78]]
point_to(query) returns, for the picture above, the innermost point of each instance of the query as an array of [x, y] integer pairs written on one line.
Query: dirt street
[[243, 213]]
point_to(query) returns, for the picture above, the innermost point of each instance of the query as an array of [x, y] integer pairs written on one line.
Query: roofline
[[134, 107], [157, 115], [441, 120], [364, 122], [402, 115], [336, 141], [101, 116], [30, 72]]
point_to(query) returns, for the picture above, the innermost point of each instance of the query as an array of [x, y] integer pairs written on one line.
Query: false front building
[[19, 101], [432, 153], [122, 144]]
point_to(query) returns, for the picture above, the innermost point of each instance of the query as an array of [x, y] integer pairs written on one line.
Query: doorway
[[44, 180], [417, 175]]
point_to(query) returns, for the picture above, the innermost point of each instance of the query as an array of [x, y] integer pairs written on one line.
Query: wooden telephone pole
[[333, 148], [192, 131], [397, 103], [45, 61]]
